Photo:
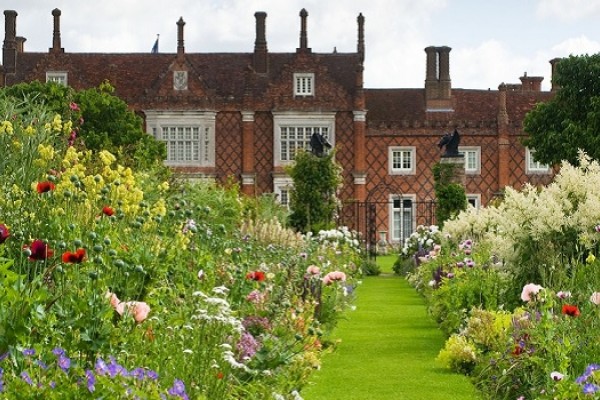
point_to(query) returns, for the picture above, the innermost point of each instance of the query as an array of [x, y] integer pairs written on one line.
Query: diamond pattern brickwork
[[263, 152], [228, 142]]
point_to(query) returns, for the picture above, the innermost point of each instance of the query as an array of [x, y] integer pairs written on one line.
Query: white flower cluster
[[423, 237], [341, 235], [571, 204]]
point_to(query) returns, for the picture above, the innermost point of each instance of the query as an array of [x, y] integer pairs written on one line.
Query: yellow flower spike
[[590, 258], [107, 157], [6, 127], [57, 123], [68, 126], [17, 145], [29, 130], [163, 187], [46, 152]]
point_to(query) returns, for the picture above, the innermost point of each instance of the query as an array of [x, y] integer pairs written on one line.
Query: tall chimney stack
[[303, 35], [9, 48], [261, 64], [180, 47], [361, 37], [56, 33]]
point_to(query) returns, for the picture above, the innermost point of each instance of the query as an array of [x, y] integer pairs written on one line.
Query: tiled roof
[[396, 105]]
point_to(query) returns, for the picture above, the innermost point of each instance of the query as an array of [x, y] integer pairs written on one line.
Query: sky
[[492, 41]]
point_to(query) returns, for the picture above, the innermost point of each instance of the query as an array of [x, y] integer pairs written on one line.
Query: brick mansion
[[246, 115]]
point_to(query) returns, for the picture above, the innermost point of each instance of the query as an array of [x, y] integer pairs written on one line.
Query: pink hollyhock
[[595, 298], [529, 291]]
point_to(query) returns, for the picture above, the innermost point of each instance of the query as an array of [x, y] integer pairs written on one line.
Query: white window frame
[[476, 151], [60, 77], [532, 166], [283, 184], [159, 120], [402, 170], [474, 200], [393, 234], [304, 84], [298, 120]]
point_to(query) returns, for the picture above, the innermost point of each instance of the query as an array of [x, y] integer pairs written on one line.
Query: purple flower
[[64, 362], [29, 352], [91, 380], [101, 367], [138, 373], [247, 346], [3, 356], [590, 388], [58, 351], [25, 376], [41, 364], [178, 390], [152, 375]]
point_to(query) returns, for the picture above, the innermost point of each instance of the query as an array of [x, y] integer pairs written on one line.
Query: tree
[[103, 121], [570, 121], [313, 199]]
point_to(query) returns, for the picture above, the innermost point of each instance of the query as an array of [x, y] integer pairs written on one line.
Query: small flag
[[155, 47]]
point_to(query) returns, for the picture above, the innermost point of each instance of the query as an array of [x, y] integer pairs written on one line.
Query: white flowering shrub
[[539, 230], [339, 236]]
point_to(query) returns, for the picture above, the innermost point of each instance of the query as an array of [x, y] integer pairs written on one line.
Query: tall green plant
[[313, 199]]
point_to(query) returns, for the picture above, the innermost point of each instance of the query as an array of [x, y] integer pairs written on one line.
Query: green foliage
[[313, 199], [369, 267], [107, 261], [451, 197], [102, 121], [570, 121]]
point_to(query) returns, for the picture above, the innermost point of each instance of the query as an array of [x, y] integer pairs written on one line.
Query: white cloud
[[568, 10]]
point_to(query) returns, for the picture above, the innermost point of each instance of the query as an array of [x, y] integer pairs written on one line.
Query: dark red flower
[[46, 186], [74, 258], [258, 276], [4, 233], [39, 250], [568, 309], [108, 211]]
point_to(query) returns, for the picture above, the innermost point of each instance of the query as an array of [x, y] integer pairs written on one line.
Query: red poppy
[[74, 258], [39, 250], [46, 186], [220, 375], [517, 350], [258, 276], [108, 211], [4, 233], [570, 310]]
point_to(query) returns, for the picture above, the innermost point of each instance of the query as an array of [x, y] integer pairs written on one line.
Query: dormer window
[[57, 77], [304, 84]]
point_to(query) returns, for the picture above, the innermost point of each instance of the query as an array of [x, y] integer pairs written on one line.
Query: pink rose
[[530, 290], [595, 298]]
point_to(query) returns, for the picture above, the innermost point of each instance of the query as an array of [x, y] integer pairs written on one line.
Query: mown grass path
[[387, 351]]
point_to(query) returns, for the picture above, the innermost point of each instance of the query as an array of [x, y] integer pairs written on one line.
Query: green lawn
[[387, 350]]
